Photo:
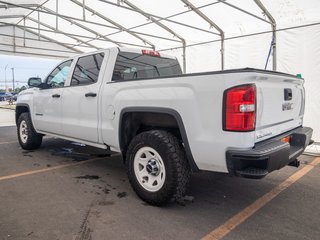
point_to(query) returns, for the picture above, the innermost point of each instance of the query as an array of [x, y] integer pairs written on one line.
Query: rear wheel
[[157, 167], [28, 138]]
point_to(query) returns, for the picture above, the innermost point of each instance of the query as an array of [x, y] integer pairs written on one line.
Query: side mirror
[[34, 82]]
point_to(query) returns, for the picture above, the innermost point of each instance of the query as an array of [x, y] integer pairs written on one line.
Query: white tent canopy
[[205, 35]]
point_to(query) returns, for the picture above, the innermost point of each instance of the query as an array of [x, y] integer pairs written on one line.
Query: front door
[[80, 99], [47, 102]]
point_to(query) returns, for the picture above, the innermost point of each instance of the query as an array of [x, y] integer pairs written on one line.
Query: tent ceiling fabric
[[155, 24], [203, 34], [166, 24]]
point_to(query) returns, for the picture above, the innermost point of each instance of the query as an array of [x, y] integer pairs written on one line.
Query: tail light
[[150, 52], [240, 108]]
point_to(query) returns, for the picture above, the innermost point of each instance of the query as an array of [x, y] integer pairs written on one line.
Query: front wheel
[[157, 167], [28, 138]]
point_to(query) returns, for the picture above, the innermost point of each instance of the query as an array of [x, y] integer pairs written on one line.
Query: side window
[[87, 70], [59, 75]]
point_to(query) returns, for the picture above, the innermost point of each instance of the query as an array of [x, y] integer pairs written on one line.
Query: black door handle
[[55, 95], [90, 94]]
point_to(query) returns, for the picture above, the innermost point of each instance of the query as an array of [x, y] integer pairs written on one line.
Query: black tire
[[33, 139], [177, 170]]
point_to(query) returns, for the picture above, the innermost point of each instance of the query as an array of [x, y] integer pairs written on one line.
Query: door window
[[87, 70], [59, 75]]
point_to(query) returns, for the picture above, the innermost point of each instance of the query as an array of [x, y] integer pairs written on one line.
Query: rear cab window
[[132, 66]]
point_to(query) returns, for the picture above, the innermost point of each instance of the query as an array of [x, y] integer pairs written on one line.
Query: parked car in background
[[14, 97], [4, 96]]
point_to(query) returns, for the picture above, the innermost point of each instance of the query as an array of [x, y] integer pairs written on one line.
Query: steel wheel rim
[[23, 131], [149, 169]]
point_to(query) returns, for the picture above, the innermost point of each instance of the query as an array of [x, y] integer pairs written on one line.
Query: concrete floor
[[93, 200]]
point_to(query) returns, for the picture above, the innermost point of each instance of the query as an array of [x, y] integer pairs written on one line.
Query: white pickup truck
[[166, 124]]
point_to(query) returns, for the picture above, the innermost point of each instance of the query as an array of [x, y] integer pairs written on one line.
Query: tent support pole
[[155, 21], [14, 39], [37, 48], [38, 26], [159, 18], [81, 44], [212, 24], [244, 11], [51, 39], [274, 49], [222, 52], [34, 39], [56, 14], [11, 16], [114, 23], [84, 9], [24, 32], [184, 57], [64, 33], [274, 33], [57, 11], [85, 28]]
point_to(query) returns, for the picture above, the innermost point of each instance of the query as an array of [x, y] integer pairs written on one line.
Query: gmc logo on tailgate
[[287, 106]]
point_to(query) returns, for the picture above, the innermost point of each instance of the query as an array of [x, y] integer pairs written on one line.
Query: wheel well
[[133, 123], [19, 110]]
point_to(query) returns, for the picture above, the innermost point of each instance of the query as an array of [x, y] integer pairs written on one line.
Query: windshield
[[131, 66]]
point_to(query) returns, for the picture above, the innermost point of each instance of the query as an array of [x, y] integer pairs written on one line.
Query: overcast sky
[[24, 68]]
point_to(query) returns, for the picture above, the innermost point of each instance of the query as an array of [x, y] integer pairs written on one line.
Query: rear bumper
[[268, 155]]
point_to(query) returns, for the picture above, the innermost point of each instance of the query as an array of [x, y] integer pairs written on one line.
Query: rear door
[[80, 99], [48, 101], [280, 105]]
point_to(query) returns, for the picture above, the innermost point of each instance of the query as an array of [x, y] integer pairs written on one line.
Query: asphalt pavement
[[66, 190]]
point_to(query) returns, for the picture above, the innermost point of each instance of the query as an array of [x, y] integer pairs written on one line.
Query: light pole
[[12, 69], [5, 78]]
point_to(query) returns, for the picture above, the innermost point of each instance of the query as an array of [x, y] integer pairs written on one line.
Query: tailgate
[[280, 105]]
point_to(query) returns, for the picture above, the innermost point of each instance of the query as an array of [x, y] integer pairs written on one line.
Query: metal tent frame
[[76, 42]]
